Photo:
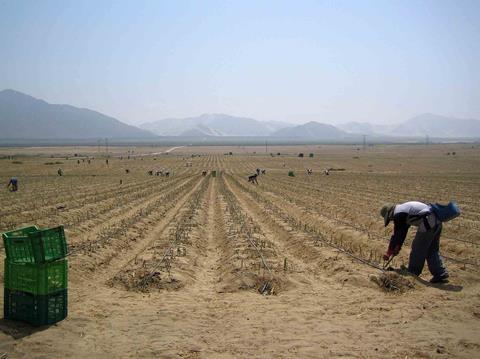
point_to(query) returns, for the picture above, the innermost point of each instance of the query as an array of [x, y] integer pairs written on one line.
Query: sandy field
[[193, 266]]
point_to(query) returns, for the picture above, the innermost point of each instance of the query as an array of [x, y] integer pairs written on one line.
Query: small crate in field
[[35, 309], [33, 245], [38, 279]]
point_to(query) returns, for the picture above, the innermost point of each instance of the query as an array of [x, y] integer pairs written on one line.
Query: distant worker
[[426, 244], [204, 173], [253, 179], [13, 184], [60, 172], [258, 171], [326, 172], [106, 161]]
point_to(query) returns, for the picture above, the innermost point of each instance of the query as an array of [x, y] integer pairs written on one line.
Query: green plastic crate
[[214, 173], [35, 309], [33, 245], [38, 279], [21, 232]]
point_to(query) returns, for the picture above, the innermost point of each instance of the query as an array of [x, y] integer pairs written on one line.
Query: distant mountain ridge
[[218, 125], [366, 128], [25, 117], [419, 126], [438, 126], [312, 130], [213, 125]]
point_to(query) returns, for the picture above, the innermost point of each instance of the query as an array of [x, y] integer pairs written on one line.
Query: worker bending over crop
[[13, 184], [426, 244]]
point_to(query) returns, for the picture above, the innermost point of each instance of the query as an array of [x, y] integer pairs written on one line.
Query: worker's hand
[[391, 252]]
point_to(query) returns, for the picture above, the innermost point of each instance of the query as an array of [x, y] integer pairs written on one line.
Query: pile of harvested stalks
[[393, 282]]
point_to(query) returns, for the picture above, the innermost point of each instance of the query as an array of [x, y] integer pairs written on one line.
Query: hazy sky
[[330, 61]]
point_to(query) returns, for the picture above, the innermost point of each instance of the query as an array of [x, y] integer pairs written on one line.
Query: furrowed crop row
[[50, 186], [345, 211], [337, 190], [252, 251], [73, 196], [311, 204], [45, 187], [62, 213], [68, 189], [117, 207], [329, 235], [356, 247], [159, 206], [158, 259]]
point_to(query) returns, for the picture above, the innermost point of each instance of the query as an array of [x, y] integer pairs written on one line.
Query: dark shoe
[[440, 279]]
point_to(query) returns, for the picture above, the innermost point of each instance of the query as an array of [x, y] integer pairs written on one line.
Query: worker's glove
[[392, 252]]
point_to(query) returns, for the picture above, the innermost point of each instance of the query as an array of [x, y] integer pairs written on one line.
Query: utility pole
[[364, 142], [427, 140], [106, 145], [266, 146]]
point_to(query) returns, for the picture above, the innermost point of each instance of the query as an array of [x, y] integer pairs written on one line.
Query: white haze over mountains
[[226, 125], [214, 125], [25, 117]]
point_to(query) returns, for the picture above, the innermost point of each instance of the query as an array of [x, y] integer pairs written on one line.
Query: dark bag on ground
[[447, 212]]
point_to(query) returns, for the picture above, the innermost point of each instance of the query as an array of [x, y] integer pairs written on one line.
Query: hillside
[[438, 126], [312, 130], [213, 125], [25, 117], [366, 128]]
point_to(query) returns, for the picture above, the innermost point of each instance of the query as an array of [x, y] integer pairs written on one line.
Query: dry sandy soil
[[194, 266]]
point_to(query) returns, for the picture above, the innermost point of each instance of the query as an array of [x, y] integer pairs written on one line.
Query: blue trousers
[[426, 246]]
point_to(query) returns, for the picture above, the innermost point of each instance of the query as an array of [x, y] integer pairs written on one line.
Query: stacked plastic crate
[[36, 275]]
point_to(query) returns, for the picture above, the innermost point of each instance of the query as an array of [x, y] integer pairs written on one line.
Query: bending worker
[[426, 244], [13, 184]]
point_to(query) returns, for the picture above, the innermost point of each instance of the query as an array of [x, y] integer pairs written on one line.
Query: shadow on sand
[[442, 286], [19, 330]]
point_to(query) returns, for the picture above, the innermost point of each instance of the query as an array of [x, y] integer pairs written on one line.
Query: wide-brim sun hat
[[387, 212]]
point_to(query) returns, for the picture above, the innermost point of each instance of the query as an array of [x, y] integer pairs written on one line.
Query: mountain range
[[217, 125], [25, 117], [438, 126], [213, 125], [419, 126]]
